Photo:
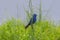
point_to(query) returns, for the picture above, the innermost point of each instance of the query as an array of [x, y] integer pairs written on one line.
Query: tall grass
[[14, 30]]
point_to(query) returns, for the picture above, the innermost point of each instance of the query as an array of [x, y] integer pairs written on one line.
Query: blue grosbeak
[[32, 21]]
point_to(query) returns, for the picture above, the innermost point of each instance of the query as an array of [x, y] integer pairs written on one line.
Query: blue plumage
[[32, 20]]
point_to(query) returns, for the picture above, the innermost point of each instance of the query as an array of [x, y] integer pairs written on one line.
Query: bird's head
[[34, 15]]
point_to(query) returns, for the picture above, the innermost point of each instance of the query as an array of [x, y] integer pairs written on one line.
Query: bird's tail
[[26, 26]]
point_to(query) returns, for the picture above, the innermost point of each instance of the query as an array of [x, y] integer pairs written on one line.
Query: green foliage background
[[15, 30]]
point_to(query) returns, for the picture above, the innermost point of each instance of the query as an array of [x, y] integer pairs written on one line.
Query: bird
[[32, 21]]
